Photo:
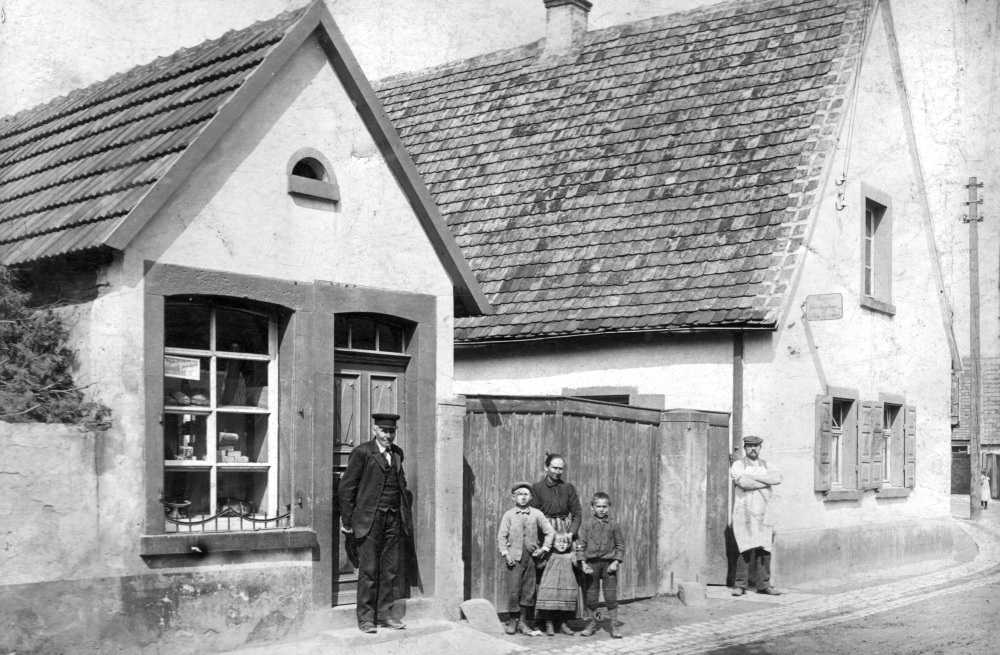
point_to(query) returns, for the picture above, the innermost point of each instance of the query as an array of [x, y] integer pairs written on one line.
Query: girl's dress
[[984, 489], [558, 588]]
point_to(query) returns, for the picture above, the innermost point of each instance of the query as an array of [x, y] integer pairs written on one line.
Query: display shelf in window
[[220, 417]]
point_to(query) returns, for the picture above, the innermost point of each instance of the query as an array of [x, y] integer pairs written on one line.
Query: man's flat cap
[[385, 421], [518, 485], [752, 440]]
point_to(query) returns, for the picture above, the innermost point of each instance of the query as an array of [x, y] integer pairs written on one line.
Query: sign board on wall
[[823, 307]]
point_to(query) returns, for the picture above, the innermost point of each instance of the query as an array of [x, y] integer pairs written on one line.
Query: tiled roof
[[71, 169], [659, 179]]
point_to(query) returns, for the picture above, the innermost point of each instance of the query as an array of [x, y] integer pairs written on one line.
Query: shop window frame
[[214, 410], [290, 302]]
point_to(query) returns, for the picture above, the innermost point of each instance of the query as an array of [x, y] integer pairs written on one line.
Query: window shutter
[[878, 444], [910, 447], [824, 447], [866, 424]]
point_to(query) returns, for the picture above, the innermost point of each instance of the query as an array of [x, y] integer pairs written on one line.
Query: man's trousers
[[378, 559], [762, 568]]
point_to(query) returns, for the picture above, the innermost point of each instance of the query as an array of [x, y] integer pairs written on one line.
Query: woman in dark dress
[[559, 502], [556, 498]]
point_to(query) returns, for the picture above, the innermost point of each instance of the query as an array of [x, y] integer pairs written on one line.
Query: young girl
[[557, 592], [984, 490]]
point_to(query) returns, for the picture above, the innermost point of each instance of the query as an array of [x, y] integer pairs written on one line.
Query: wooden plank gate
[[607, 447]]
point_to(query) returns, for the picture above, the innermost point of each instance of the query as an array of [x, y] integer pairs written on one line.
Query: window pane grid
[[366, 334], [256, 495]]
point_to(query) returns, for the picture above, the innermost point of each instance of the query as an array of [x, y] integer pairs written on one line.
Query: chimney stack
[[566, 23]]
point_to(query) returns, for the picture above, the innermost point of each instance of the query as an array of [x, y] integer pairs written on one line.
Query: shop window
[[220, 429], [310, 176], [960, 449], [876, 251]]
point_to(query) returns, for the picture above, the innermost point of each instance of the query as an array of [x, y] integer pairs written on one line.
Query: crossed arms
[[750, 481]]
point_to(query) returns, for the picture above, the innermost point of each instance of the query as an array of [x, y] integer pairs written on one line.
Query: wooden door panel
[[347, 413], [360, 389]]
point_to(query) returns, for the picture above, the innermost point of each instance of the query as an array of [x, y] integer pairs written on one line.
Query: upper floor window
[[876, 251], [220, 431], [311, 176]]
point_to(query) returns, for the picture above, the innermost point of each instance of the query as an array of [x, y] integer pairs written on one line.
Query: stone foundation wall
[[60, 594], [805, 556]]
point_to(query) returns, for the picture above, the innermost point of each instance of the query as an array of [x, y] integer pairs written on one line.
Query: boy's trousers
[[601, 575], [521, 583]]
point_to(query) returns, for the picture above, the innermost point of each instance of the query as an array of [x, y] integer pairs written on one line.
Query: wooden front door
[[363, 385]]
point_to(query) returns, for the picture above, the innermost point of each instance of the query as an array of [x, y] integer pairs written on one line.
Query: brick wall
[[989, 415]]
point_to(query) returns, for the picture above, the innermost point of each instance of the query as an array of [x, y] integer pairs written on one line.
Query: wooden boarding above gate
[[561, 405]]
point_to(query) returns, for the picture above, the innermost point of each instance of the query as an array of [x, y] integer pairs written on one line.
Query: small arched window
[[309, 168], [310, 176]]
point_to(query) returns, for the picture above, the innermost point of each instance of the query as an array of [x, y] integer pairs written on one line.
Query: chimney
[[566, 23]]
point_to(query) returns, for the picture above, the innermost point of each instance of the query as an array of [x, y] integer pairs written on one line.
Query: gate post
[[683, 510]]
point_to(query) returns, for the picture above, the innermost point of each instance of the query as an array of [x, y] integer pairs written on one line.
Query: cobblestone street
[[785, 627]]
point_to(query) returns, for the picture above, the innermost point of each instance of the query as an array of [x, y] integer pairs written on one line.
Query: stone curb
[[811, 613]]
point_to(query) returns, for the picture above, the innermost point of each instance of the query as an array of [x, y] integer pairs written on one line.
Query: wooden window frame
[[849, 487], [904, 441], [211, 412], [875, 291]]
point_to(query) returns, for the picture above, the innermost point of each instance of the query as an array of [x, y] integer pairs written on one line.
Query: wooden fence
[[607, 447]]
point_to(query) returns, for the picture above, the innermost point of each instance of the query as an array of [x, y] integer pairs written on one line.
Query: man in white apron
[[753, 524]]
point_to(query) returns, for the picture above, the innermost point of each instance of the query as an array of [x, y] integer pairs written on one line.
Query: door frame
[[420, 415]]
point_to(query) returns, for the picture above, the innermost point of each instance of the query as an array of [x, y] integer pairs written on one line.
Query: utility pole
[[975, 508]]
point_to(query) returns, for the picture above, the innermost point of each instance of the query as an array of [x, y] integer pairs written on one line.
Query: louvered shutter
[[878, 444], [910, 446], [866, 423], [824, 443]]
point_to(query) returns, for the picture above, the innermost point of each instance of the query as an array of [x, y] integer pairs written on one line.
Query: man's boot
[[591, 624], [613, 616], [511, 624]]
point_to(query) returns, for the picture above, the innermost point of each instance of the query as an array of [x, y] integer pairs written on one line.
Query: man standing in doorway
[[753, 524], [375, 509]]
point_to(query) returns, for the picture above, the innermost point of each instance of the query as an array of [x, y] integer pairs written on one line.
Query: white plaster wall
[[905, 354], [233, 213], [693, 372]]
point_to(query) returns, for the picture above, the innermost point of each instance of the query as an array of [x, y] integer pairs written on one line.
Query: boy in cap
[[753, 479], [517, 540]]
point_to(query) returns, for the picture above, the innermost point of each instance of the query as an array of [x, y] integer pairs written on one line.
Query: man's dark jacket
[[361, 487]]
